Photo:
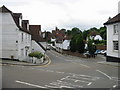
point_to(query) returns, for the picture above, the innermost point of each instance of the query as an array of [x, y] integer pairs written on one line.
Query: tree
[[73, 44], [85, 34], [103, 32], [77, 43], [80, 44], [75, 31], [91, 47], [68, 32]]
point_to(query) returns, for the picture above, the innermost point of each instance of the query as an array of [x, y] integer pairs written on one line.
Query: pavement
[[63, 72], [100, 59], [11, 62], [110, 63]]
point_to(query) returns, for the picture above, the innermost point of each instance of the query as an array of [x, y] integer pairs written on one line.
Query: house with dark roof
[[113, 38], [35, 31], [16, 38], [60, 39]]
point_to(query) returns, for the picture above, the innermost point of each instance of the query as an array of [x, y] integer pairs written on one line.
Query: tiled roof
[[15, 16], [113, 20], [35, 32], [4, 9]]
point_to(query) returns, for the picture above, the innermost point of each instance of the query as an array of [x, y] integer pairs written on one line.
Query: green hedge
[[36, 54]]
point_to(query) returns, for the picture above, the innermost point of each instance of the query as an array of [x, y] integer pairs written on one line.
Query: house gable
[[16, 17], [115, 19]]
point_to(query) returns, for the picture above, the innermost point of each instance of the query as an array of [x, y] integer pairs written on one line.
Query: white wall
[[0, 35], [36, 47], [119, 38], [23, 44], [0, 50], [9, 36], [12, 39], [110, 38], [66, 44]]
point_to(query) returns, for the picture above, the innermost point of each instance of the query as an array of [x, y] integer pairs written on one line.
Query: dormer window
[[27, 26], [115, 29], [20, 22]]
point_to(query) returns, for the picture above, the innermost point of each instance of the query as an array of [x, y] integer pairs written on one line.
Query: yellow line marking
[[45, 64]]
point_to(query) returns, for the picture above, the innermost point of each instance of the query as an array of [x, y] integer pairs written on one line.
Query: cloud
[[14, 2], [65, 13]]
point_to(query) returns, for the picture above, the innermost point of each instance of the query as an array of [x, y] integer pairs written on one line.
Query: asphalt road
[[63, 72]]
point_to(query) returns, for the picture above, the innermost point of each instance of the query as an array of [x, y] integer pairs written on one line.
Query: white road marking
[[51, 86], [85, 65], [62, 78], [49, 70], [78, 80], [62, 83], [104, 74], [114, 86], [59, 81], [29, 84], [60, 72], [89, 83], [66, 87], [85, 78]]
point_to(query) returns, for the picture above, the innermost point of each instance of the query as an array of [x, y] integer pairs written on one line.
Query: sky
[[67, 14]]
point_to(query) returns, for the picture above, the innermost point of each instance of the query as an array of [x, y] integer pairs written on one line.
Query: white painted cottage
[[16, 39], [113, 39]]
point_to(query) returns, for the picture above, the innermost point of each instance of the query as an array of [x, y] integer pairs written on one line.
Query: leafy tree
[[73, 44], [75, 31], [91, 47], [80, 44], [68, 32], [103, 32], [77, 43], [85, 34]]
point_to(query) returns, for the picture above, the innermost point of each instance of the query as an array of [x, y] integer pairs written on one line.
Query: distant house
[[16, 38], [62, 41], [35, 31], [66, 45], [58, 35], [113, 39], [46, 36], [98, 37], [95, 37]]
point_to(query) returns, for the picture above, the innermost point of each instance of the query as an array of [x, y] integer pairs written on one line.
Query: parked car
[[97, 52], [48, 47], [87, 54], [104, 52]]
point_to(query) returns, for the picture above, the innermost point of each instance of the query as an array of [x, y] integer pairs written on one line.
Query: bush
[[36, 54]]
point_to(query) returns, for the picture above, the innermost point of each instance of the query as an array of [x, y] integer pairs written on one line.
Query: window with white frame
[[116, 29], [115, 45]]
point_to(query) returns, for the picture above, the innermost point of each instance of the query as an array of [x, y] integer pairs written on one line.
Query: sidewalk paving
[[110, 63], [11, 62], [100, 59]]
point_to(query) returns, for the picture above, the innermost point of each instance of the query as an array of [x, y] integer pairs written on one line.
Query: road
[[63, 72]]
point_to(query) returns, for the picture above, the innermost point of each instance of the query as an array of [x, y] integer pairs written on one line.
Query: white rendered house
[[113, 39], [16, 39]]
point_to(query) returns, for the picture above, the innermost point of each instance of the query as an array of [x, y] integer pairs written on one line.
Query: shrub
[[36, 54]]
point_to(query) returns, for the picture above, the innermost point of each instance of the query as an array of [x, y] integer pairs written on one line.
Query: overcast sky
[[67, 14]]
